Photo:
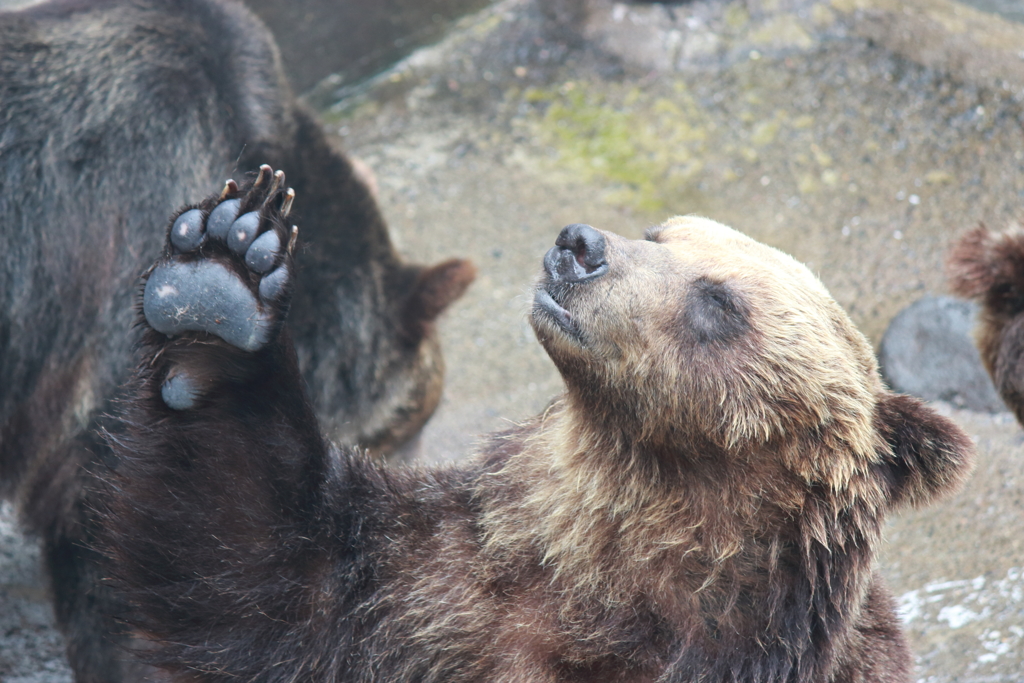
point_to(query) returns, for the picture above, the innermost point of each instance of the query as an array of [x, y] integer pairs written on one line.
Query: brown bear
[[703, 503], [113, 113], [989, 267]]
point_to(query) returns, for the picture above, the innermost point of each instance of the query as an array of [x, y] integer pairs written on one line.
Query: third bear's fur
[[703, 503], [988, 267], [112, 114]]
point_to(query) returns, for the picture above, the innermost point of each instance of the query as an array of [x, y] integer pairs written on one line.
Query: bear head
[[988, 267], [702, 344]]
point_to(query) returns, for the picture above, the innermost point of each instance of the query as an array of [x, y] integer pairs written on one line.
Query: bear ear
[[970, 265], [925, 454], [435, 289]]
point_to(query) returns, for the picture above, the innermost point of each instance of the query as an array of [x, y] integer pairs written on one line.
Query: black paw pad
[[262, 254], [205, 296], [243, 231], [273, 285], [221, 218], [187, 232]]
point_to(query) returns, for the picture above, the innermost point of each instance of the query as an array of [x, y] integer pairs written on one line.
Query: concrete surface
[[858, 135]]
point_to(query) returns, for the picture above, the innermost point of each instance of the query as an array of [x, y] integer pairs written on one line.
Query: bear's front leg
[[215, 520], [219, 377]]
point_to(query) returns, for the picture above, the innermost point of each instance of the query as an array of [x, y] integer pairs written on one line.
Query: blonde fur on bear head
[[780, 360]]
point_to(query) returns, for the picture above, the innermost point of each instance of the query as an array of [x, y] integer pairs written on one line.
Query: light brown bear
[[703, 503], [988, 267]]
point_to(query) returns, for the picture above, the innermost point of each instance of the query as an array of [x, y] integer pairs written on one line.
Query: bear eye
[[1008, 296], [720, 297], [714, 313]]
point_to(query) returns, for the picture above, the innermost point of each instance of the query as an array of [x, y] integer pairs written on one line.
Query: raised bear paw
[[225, 272]]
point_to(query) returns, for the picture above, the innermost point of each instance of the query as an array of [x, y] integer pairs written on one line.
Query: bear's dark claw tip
[[262, 177], [230, 187], [277, 182]]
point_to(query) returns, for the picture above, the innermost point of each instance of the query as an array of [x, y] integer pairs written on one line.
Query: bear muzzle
[[578, 257]]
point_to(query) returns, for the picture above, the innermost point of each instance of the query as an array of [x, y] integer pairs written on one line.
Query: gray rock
[[928, 351]]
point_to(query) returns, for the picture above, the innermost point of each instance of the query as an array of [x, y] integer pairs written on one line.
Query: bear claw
[[264, 171], [230, 188], [286, 206], [278, 182]]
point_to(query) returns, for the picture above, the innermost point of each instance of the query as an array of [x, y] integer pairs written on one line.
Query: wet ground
[[859, 135]]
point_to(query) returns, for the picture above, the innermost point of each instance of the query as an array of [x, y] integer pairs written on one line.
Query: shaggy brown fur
[[989, 268], [112, 114], [704, 502]]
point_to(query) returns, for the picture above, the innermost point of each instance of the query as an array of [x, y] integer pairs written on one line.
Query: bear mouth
[[546, 306]]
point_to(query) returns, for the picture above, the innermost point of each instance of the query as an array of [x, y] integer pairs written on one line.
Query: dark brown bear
[[989, 268], [704, 502], [113, 113]]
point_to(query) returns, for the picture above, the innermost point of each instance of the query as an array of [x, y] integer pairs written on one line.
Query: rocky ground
[[859, 135]]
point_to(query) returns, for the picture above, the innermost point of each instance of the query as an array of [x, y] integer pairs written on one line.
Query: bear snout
[[578, 254]]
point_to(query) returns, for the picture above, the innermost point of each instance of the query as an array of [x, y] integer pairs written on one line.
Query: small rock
[[928, 351]]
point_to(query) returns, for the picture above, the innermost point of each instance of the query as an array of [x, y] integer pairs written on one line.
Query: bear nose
[[578, 254]]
